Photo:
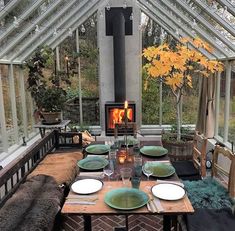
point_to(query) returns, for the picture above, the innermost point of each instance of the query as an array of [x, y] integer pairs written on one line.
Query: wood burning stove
[[114, 114]]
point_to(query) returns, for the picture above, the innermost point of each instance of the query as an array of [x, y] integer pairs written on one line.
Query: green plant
[[47, 91], [176, 65]]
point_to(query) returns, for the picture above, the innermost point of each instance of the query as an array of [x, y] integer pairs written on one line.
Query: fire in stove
[[117, 116]]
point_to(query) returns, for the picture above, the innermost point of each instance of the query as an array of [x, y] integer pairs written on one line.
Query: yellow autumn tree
[[176, 65]]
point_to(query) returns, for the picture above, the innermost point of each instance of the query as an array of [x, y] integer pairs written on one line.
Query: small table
[[42, 127]]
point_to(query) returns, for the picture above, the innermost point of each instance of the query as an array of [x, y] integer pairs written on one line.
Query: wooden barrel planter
[[178, 150]]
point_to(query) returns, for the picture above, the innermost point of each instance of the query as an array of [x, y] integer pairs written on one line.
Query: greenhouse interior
[[117, 115]]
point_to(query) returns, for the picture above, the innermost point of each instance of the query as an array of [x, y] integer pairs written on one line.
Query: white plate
[[167, 191], [87, 186]]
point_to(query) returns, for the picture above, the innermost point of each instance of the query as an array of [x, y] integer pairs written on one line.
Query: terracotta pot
[[182, 150], [51, 117]]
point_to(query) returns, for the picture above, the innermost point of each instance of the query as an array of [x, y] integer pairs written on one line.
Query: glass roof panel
[[24, 23]]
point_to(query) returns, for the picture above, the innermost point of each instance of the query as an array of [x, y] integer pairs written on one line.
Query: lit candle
[[122, 156], [125, 111]]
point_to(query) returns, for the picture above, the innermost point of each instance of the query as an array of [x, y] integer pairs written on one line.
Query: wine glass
[[108, 170], [147, 170]]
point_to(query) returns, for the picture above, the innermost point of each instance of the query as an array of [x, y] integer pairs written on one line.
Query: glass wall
[[226, 106], [231, 126], [158, 101], [222, 105]]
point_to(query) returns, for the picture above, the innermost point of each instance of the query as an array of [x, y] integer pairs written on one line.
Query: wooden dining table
[[170, 211]]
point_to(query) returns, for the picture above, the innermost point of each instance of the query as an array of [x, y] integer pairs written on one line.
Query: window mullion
[[227, 99]]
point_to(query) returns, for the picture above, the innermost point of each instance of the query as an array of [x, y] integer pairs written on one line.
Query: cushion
[[207, 193], [61, 166], [211, 219], [33, 206], [185, 168]]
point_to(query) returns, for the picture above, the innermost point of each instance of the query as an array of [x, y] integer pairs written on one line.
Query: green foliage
[[150, 99], [48, 94]]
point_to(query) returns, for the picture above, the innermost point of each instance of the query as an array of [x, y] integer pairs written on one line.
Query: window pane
[[222, 104], [190, 103], [150, 102], [18, 101], [168, 106], [231, 130], [7, 104]]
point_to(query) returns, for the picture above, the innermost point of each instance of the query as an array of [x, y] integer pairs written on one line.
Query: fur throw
[[61, 166], [207, 193], [33, 207]]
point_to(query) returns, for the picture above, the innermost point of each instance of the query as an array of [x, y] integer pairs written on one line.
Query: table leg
[[166, 222], [87, 222], [126, 222]]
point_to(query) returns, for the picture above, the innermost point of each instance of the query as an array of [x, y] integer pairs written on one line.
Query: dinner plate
[[97, 149], [87, 186], [168, 191], [161, 169], [153, 151], [126, 198], [92, 163], [130, 142]]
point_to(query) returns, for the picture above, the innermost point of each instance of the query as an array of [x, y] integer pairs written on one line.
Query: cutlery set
[[154, 205]]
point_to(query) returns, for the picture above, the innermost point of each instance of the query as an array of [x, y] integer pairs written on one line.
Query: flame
[[117, 115]]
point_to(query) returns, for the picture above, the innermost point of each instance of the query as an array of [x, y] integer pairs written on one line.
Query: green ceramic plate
[[126, 198], [98, 149], [161, 169], [153, 151], [93, 163], [130, 141]]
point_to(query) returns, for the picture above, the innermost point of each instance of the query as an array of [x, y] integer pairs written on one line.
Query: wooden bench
[[39, 166]]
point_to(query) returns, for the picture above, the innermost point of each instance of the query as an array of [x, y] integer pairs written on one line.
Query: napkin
[[93, 175], [171, 182], [154, 204], [79, 199]]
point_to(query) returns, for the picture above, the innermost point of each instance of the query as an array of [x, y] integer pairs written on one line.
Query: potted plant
[[46, 89], [176, 65]]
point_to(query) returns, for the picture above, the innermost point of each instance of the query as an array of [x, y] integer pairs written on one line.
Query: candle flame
[[126, 104]]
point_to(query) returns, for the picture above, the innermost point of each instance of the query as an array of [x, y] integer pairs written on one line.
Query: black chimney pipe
[[119, 56]]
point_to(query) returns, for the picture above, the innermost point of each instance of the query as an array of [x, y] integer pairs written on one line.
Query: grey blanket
[[33, 207]]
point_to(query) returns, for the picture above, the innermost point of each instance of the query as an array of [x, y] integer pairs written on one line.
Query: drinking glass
[[137, 165], [147, 170], [108, 169], [126, 175], [135, 182]]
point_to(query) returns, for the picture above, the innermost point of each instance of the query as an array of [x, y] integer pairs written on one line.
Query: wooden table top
[[181, 206]]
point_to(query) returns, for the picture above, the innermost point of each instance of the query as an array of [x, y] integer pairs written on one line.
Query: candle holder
[[122, 155]]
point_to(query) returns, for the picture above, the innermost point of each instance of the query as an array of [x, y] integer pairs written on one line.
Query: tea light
[[122, 156]]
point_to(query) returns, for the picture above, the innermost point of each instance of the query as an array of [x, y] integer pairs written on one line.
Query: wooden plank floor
[[108, 223]]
